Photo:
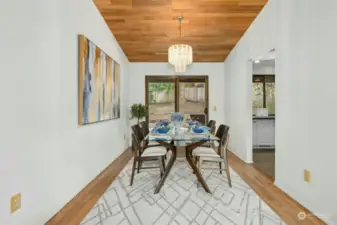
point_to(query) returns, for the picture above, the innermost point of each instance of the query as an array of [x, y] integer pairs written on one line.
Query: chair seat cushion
[[152, 143], [154, 151], [205, 152]]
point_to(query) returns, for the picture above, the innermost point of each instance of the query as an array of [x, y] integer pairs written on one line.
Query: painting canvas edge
[[80, 79]]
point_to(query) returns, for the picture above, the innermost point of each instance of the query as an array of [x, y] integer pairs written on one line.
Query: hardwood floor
[[287, 208], [264, 160], [281, 203]]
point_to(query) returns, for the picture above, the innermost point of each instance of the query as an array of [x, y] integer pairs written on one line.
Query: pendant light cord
[[180, 28], [180, 19]]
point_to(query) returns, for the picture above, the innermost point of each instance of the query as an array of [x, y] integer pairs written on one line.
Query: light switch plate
[[15, 203], [307, 176], [214, 108]]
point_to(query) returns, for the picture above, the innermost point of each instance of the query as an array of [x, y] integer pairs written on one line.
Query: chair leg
[[133, 171], [220, 167], [228, 175], [198, 165], [160, 161], [163, 161], [196, 160], [139, 166]]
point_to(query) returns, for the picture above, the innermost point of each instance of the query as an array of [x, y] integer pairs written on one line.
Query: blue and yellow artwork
[[99, 98]]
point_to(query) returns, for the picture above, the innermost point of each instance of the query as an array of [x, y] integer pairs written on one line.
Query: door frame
[[176, 80]]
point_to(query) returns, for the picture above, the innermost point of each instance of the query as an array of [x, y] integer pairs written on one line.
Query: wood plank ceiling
[[146, 28]]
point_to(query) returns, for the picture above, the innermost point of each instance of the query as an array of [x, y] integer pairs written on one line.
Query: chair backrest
[[211, 123], [222, 133], [213, 129], [145, 128], [224, 150], [135, 143], [138, 132]]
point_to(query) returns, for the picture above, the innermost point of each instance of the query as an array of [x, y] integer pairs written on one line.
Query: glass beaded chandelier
[[180, 55]]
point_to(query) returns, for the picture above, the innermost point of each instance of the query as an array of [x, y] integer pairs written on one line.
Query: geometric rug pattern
[[180, 201]]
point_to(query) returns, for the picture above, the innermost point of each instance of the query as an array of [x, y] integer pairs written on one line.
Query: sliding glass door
[[166, 94], [161, 95], [193, 98]]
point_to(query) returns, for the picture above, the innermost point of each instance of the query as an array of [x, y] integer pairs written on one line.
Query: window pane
[[161, 101], [270, 97], [257, 95], [192, 98]]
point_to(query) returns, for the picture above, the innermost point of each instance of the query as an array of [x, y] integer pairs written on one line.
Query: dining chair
[[209, 154], [145, 131], [136, 129], [211, 124], [139, 134], [148, 154]]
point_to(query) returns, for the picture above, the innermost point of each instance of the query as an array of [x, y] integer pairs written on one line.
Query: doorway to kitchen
[[263, 115], [167, 94]]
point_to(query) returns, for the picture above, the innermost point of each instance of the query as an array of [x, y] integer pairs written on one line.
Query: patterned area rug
[[180, 201]]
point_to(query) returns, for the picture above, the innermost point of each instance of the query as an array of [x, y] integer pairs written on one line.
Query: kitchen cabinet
[[264, 132]]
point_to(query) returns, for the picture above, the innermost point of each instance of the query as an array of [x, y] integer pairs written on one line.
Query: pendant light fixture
[[180, 55]]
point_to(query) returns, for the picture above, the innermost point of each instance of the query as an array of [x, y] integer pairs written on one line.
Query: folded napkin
[[195, 123], [162, 123], [205, 128]]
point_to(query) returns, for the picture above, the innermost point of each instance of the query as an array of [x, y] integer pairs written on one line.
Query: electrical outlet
[[307, 176], [15, 202]]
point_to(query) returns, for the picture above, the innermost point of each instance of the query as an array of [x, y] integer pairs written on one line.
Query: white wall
[[304, 37], [258, 40], [215, 71], [44, 154]]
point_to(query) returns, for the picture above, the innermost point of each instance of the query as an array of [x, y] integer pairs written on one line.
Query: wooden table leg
[[196, 171], [168, 168]]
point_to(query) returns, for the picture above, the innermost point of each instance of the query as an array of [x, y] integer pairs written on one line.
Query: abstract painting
[[99, 98]]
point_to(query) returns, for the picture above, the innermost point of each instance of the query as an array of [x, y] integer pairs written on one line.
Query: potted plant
[[138, 111]]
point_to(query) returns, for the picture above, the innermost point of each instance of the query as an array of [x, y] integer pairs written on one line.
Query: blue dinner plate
[[198, 130], [161, 130]]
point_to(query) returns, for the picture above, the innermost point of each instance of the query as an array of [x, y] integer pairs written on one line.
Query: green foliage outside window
[[158, 87], [261, 99]]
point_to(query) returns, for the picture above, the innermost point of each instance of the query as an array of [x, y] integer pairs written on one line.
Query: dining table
[[188, 134]]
